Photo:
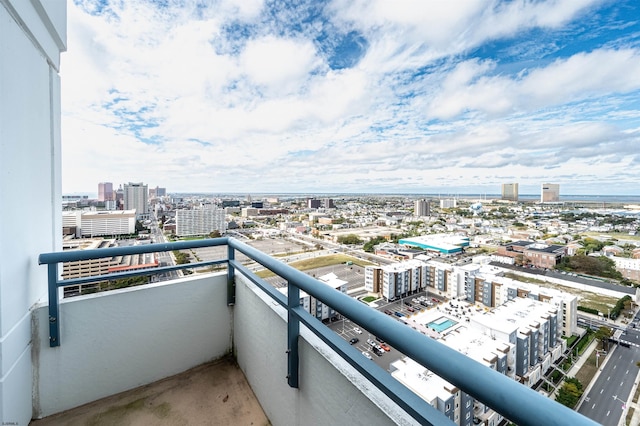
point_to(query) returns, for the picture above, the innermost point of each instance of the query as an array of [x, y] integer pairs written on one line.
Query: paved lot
[[345, 328], [353, 274], [269, 246]]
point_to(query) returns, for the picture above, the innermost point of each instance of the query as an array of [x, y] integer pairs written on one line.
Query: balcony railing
[[511, 399]]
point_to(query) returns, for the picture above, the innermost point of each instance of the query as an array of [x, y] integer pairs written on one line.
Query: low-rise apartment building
[[98, 223], [534, 254]]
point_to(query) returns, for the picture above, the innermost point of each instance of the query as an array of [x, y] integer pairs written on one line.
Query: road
[[605, 401]]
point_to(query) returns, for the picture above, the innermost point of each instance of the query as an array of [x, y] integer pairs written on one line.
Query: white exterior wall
[[118, 340], [388, 285], [200, 221], [368, 278], [135, 197], [32, 35], [116, 223], [331, 391], [72, 218]]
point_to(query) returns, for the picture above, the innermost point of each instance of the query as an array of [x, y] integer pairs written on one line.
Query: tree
[[369, 245], [603, 334], [214, 234], [600, 266], [349, 239], [570, 392]]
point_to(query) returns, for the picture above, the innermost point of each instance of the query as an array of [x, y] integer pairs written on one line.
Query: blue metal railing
[[514, 401]]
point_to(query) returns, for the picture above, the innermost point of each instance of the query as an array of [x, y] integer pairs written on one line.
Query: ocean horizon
[[605, 199]]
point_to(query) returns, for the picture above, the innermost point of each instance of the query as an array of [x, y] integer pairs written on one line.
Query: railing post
[[231, 282], [54, 314], [293, 331]]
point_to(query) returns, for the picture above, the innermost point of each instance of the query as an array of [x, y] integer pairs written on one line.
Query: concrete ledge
[[330, 392]]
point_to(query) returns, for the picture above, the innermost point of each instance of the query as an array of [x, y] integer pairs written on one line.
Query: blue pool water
[[441, 324]]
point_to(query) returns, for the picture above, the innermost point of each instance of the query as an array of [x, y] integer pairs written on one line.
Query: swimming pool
[[441, 324]]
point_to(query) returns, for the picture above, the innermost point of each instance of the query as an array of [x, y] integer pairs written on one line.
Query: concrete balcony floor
[[215, 393]]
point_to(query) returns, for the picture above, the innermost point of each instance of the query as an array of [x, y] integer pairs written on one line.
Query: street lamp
[[624, 404]]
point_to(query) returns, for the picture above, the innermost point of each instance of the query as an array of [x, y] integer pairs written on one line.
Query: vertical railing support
[[231, 281], [293, 331], [54, 312]]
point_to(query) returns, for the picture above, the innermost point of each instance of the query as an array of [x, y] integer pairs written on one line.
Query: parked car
[[354, 341], [385, 347], [357, 330], [366, 355]]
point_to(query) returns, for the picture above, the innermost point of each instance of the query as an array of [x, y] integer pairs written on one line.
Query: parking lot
[[349, 330], [353, 274]]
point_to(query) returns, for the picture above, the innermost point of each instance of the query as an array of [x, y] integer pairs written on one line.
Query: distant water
[[605, 199], [626, 199]]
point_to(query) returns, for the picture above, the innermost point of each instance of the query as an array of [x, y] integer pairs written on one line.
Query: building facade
[[421, 208], [98, 223], [550, 193], [33, 34], [449, 203], [136, 197], [200, 221], [530, 253], [105, 191], [510, 191]]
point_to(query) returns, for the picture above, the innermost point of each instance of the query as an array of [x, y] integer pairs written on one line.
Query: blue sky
[[353, 95]]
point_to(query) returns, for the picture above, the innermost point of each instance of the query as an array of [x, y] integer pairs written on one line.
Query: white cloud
[[279, 63], [470, 87], [240, 96]]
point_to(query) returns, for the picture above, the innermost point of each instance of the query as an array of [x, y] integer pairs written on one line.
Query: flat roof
[[444, 243]]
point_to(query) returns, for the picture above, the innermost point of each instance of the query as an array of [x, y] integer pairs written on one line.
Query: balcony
[[96, 346]]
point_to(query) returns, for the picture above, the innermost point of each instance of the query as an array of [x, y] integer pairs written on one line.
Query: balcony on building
[[133, 345], [99, 349]]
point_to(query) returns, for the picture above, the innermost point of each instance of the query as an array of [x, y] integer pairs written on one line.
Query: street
[[606, 400]]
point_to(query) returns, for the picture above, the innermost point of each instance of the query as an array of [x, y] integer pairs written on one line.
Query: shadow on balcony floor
[[216, 393]]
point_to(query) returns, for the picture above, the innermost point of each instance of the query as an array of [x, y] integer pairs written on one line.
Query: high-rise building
[[510, 191], [328, 203], [136, 197], [119, 196], [312, 203], [105, 191], [451, 203], [157, 192], [200, 221], [550, 193], [422, 208]]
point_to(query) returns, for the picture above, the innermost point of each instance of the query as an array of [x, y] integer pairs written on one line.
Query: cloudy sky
[[352, 95]]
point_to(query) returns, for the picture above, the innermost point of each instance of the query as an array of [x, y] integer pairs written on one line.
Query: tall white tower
[[136, 197]]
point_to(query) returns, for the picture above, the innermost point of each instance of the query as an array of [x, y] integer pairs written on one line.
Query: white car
[[367, 355], [357, 330]]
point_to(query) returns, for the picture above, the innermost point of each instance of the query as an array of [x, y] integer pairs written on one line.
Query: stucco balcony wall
[[330, 392], [118, 340]]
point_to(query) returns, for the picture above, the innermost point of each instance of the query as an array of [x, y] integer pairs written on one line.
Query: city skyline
[[352, 97]]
